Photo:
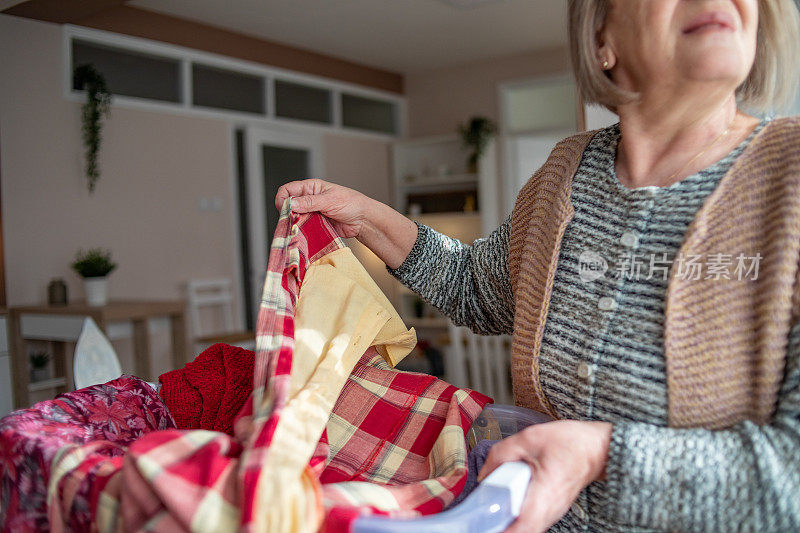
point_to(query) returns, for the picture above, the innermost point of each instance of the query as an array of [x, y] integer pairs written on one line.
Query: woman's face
[[663, 43]]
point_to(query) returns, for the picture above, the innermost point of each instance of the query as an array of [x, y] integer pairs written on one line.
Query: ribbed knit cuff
[[635, 475]]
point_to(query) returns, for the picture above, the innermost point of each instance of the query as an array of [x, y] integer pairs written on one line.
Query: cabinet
[[431, 177], [62, 325], [6, 392]]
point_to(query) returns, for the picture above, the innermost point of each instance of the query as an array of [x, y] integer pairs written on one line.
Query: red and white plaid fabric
[[393, 444], [401, 432], [203, 480]]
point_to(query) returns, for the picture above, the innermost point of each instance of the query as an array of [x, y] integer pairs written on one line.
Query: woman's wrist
[[389, 235]]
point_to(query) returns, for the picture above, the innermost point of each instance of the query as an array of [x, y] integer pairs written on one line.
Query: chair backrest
[[480, 363], [95, 360], [210, 293]]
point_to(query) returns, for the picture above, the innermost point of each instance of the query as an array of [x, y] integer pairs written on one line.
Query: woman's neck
[[663, 142]]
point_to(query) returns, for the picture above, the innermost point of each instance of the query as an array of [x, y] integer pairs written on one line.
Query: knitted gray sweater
[[602, 357]]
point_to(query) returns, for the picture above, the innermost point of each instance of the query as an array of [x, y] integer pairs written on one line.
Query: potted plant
[[475, 136], [97, 105], [93, 266], [39, 369]]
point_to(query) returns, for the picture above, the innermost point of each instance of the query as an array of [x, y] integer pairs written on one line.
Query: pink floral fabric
[[102, 420]]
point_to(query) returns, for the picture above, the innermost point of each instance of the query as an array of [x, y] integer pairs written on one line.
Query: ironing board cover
[[394, 444]]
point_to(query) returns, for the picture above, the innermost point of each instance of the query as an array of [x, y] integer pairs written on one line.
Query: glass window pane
[[368, 114], [549, 104], [280, 165], [226, 89], [293, 100], [130, 73]]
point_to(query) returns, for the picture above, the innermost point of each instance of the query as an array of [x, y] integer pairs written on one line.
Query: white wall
[[597, 117], [440, 100]]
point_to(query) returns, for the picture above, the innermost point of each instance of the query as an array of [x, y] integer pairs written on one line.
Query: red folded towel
[[210, 391]]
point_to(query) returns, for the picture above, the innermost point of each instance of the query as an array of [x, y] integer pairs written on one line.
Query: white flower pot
[[96, 291], [40, 374]]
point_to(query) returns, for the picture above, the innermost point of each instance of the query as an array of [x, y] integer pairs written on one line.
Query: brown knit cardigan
[[725, 341]]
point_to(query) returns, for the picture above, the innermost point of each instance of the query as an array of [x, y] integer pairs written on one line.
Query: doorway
[[274, 157]]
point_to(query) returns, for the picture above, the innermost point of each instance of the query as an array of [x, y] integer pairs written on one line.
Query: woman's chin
[[710, 68], [715, 58]]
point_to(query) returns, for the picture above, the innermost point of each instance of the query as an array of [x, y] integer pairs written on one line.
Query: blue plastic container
[[497, 422]]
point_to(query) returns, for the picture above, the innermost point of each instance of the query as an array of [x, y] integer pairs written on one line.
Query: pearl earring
[[605, 64]]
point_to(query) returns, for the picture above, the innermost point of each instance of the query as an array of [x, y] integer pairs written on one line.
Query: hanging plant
[[475, 136], [97, 106]]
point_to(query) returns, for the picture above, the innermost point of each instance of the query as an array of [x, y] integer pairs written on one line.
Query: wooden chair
[[480, 363], [215, 294]]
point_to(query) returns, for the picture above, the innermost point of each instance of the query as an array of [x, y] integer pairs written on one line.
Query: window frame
[[187, 56]]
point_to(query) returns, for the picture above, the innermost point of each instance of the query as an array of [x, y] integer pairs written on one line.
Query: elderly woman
[[650, 274]]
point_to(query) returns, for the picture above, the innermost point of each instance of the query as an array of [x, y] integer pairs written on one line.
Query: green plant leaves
[[97, 106]]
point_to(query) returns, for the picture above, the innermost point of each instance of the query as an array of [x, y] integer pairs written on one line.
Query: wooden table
[[137, 312]]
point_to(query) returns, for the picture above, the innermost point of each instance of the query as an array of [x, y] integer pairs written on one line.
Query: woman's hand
[[346, 208], [377, 226], [565, 456]]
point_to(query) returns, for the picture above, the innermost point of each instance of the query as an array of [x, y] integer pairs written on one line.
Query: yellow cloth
[[340, 313]]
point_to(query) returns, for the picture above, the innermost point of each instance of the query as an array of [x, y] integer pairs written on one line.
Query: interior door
[[274, 157]]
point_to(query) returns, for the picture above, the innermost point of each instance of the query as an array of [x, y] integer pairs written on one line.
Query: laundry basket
[[495, 503]]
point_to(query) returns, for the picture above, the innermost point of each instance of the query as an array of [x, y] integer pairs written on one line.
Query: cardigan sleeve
[[746, 478], [469, 284]]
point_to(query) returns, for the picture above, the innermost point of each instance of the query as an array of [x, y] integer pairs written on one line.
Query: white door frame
[[256, 136], [507, 139], [514, 174]]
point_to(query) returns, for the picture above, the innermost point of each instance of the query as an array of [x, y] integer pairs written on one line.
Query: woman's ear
[[606, 57]]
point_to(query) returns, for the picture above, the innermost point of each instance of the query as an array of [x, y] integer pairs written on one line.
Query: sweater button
[[584, 371], [629, 239], [606, 303]]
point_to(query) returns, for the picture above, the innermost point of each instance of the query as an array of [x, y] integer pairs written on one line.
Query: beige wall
[[440, 100], [155, 169], [363, 164]]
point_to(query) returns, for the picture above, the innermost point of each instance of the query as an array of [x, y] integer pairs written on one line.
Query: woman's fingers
[[344, 207], [565, 456], [523, 446], [504, 451], [530, 520], [309, 187], [310, 203]]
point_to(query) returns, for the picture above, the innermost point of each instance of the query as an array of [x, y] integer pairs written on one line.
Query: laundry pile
[[308, 433]]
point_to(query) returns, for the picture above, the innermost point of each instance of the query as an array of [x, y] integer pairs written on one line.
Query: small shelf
[[51, 383], [432, 176], [446, 216], [435, 182]]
